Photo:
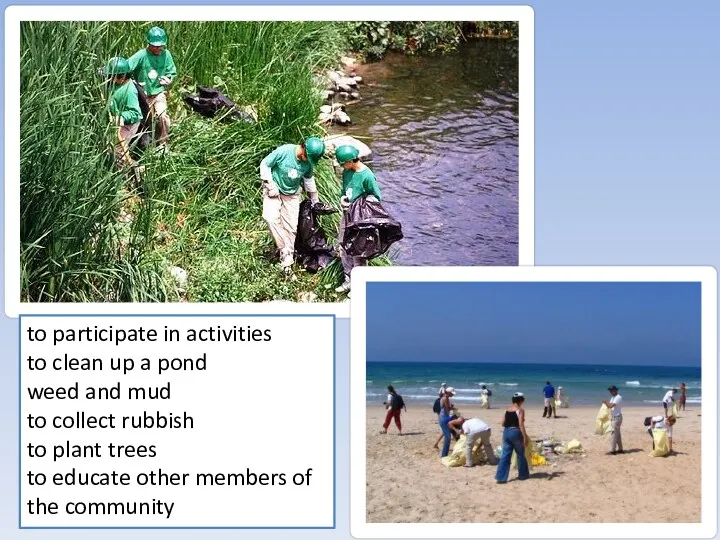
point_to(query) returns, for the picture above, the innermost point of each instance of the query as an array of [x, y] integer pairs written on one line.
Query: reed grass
[[86, 235]]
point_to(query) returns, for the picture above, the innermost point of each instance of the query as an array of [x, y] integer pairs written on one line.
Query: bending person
[[284, 173], [357, 181]]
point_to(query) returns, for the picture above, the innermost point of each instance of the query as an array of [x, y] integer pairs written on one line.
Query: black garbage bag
[[370, 230], [143, 139], [312, 251], [210, 102]]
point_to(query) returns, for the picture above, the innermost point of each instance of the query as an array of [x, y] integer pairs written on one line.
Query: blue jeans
[[443, 421], [512, 440]]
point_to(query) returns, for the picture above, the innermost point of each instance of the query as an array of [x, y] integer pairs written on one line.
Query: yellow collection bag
[[456, 458], [603, 426], [662, 449], [676, 409], [528, 457], [563, 403], [484, 402]]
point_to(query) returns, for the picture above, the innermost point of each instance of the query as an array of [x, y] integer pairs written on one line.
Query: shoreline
[[406, 481]]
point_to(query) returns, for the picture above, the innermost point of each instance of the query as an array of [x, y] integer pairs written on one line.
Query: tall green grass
[[86, 236]]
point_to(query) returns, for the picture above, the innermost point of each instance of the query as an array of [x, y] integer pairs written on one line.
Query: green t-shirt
[[360, 183], [124, 102], [287, 170], [147, 68]]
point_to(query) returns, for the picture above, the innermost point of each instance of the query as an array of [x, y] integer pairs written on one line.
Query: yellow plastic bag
[[603, 426], [574, 447], [563, 403], [484, 402], [528, 457], [662, 449], [676, 409], [537, 459], [457, 457]]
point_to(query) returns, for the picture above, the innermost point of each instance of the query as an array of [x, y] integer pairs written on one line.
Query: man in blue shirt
[[549, 392]]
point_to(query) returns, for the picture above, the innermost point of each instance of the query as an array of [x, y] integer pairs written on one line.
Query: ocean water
[[418, 382]]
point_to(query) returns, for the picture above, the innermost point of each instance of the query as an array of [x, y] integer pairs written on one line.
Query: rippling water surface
[[444, 135]]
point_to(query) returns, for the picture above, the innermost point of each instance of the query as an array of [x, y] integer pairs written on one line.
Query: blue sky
[[578, 323]]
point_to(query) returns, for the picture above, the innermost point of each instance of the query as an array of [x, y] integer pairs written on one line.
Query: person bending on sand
[[474, 429], [662, 422]]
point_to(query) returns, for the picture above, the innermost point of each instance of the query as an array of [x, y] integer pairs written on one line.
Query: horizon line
[[521, 363]]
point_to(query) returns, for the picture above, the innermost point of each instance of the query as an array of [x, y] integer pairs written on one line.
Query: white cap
[[518, 394], [450, 390]]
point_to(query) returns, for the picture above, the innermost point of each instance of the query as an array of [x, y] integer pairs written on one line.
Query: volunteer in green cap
[[284, 173], [124, 108], [357, 181], [153, 67]]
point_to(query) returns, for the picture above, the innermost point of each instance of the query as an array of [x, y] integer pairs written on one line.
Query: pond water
[[444, 135]]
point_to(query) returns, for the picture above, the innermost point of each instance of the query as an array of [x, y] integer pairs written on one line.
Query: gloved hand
[[345, 203], [272, 190], [164, 80]]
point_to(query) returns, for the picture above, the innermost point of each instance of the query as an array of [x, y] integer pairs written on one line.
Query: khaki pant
[[616, 439], [160, 118], [281, 214], [484, 437], [126, 140]]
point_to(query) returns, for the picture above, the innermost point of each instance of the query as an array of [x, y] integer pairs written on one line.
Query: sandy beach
[[406, 482]]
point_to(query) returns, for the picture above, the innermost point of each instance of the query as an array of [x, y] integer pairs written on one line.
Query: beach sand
[[406, 482]]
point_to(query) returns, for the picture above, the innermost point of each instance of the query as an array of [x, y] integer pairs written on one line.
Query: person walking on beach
[[615, 406], [514, 439], [683, 396], [549, 392], [474, 429], [153, 67], [669, 399], [394, 405], [357, 181], [662, 422], [444, 419], [282, 172], [485, 396], [124, 109]]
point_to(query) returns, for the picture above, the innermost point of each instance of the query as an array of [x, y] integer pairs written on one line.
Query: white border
[[15, 14], [359, 528]]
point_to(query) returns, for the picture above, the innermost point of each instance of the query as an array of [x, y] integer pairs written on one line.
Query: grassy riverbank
[[86, 236]]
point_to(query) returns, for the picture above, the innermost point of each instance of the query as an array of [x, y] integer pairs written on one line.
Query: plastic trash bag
[[528, 457], [457, 457], [312, 251], [562, 403], [574, 447], [210, 102], [662, 449], [676, 409], [603, 426], [370, 230], [484, 404]]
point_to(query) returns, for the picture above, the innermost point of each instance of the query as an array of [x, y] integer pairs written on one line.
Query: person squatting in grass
[[153, 67], [284, 172], [357, 181], [124, 109]]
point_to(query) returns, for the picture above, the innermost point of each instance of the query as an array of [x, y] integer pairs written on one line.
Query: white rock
[[334, 76], [358, 78], [333, 141], [347, 61], [341, 117], [327, 94], [325, 117], [349, 81], [307, 297], [355, 95], [179, 275], [327, 109], [338, 106]]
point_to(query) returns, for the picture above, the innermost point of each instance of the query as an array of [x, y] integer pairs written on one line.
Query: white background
[[266, 406]]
